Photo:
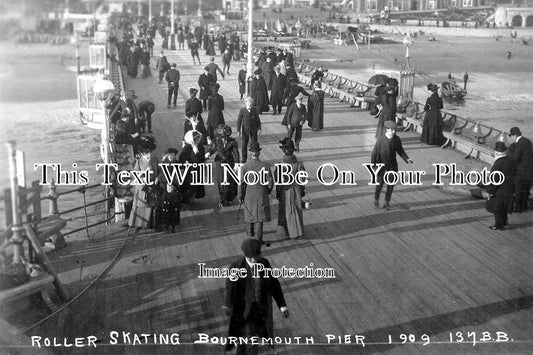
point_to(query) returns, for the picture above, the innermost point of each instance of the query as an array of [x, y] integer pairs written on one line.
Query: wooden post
[[53, 211], [17, 238], [61, 292]]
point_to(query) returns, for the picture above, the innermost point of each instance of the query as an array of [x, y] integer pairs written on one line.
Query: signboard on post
[[97, 56]]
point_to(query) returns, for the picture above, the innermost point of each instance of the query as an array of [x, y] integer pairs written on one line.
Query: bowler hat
[[254, 147], [390, 125], [258, 72], [515, 131], [251, 248], [287, 144], [172, 151], [500, 147], [206, 68]]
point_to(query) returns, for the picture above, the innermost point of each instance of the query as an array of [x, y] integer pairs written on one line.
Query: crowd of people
[[273, 86]]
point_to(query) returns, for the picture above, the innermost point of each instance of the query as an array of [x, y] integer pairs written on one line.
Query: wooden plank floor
[[429, 266]]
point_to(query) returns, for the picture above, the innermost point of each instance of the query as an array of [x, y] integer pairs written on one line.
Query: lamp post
[[250, 44], [437, 14], [75, 40], [104, 90], [149, 11], [172, 17], [407, 42]]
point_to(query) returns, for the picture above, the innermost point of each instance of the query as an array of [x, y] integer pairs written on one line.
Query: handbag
[[152, 195]]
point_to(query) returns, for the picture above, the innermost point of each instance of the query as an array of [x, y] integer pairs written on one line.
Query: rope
[[105, 271]]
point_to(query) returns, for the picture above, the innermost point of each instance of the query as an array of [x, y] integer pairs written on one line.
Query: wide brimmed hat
[[223, 131], [392, 82], [515, 131], [251, 248], [191, 135], [500, 147], [171, 151], [287, 144], [432, 87], [147, 144], [254, 147], [390, 125]]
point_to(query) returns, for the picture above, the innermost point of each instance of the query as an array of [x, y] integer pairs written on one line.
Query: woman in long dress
[[290, 210], [388, 101], [193, 153], [215, 105], [142, 215], [260, 92], [315, 108], [224, 149], [432, 125]]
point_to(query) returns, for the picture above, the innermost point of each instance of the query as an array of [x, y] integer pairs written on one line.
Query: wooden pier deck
[[429, 266]]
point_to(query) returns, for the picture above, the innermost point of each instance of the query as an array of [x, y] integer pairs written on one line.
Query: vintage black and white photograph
[[291, 177]]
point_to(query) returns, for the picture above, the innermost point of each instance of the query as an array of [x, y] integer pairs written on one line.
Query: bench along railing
[[471, 137]]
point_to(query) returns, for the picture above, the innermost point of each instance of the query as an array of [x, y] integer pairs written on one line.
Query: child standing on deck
[[171, 207]]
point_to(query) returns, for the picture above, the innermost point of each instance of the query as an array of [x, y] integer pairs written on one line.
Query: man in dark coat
[[173, 79], [215, 117], [249, 299], [145, 110], [226, 61], [194, 52], [255, 196], [294, 120], [315, 108], [521, 151], [500, 202], [205, 81], [260, 92], [213, 68], [279, 84], [267, 70], [248, 126], [163, 65], [387, 145], [242, 80], [292, 91]]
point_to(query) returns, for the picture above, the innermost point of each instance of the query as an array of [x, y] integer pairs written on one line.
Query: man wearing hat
[[249, 299], [255, 196], [173, 79], [163, 65], [500, 202], [385, 153], [521, 151], [193, 46], [248, 126], [205, 81], [241, 78], [279, 84], [260, 92], [145, 109], [212, 69], [294, 120]]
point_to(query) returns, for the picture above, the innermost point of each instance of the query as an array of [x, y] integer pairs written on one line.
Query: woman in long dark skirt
[[193, 153], [432, 125], [224, 149], [215, 105], [388, 100]]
